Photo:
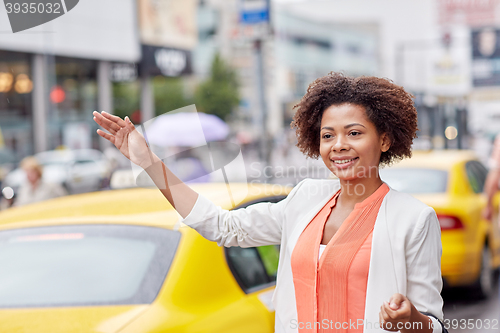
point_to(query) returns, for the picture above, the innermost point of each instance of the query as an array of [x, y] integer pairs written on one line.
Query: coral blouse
[[330, 289]]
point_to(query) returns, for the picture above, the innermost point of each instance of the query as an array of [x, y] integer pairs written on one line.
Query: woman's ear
[[385, 142]]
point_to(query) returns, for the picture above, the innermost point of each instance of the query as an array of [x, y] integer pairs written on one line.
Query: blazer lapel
[[284, 300], [302, 224]]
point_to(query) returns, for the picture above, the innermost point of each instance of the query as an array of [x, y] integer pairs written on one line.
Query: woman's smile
[[344, 162]]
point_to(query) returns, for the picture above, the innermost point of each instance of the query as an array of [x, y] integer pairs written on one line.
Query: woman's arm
[[258, 224], [132, 145], [424, 282]]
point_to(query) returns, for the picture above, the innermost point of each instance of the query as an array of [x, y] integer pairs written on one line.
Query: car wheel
[[485, 282]]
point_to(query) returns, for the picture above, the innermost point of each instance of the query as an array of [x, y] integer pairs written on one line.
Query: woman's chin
[[347, 179], [359, 174], [344, 176]]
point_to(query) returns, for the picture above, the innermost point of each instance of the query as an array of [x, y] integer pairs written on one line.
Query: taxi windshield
[[415, 180], [84, 265]]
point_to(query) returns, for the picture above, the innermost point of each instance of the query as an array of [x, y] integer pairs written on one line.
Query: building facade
[[54, 75]]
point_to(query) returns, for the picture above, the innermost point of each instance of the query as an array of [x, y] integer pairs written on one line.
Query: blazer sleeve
[[423, 257], [256, 225]]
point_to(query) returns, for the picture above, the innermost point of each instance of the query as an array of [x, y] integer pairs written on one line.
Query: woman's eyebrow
[[353, 124], [346, 126]]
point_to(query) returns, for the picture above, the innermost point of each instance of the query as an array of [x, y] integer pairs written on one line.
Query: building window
[[15, 103], [73, 98]]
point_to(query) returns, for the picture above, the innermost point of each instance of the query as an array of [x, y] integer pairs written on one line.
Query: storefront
[[53, 76]]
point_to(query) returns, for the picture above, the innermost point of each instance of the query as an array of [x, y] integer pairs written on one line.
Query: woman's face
[[32, 175], [350, 145]]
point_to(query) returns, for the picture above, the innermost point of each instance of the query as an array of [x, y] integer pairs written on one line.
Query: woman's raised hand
[[131, 143], [125, 137]]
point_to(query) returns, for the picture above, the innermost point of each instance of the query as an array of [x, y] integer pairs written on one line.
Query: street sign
[[123, 72], [254, 20], [165, 61], [254, 11]]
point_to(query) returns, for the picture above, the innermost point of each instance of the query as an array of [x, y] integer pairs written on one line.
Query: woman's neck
[[355, 191]]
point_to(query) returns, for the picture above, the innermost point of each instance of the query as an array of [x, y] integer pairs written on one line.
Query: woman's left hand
[[395, 313]]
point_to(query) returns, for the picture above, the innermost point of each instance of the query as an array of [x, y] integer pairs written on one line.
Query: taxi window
[[247, 267], [82, 265], [270, 256], [476, 174], [255, 267], [415, 180]]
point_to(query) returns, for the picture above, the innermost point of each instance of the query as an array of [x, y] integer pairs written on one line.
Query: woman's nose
[[340, 144]]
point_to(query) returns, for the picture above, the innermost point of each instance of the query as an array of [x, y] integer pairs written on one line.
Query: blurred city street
[[462, 304], [213, 87]]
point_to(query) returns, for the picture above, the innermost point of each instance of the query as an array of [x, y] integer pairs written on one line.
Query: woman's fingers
[[395, 313], [107, 136], [396, 301], [388, 312], [129, 123], [107, 124], [117, 120], [385, 320], [101, 121]]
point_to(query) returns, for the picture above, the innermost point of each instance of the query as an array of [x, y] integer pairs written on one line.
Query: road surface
[[464, 312]]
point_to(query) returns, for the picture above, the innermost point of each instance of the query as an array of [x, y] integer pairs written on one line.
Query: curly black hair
[[388, 106]]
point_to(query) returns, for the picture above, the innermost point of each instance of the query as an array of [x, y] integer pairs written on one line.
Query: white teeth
[[343, 161]]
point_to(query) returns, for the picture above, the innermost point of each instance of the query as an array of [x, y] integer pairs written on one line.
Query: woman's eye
[[327, 136], [354, 133]]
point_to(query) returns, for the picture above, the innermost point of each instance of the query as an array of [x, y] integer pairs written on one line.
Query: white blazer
[[405, 254]]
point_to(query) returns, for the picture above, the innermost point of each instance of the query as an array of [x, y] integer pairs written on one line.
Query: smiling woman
[[354, 125], [380, 262]]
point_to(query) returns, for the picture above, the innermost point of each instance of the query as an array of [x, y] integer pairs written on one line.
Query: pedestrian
[[491, 185], [35, 188], [356, 255]]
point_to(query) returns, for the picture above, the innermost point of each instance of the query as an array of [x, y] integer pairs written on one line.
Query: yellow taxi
[[452, 181], [119, 261]]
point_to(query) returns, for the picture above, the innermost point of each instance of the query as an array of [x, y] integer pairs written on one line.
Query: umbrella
[[190, 129]]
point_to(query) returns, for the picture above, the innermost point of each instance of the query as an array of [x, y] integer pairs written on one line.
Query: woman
[[356, 256], [35, 188]]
